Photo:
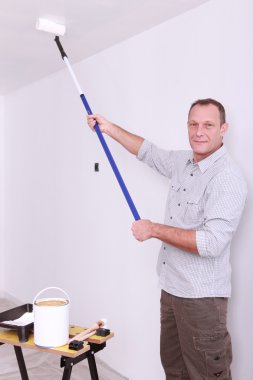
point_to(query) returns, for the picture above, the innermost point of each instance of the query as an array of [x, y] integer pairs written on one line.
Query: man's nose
[[200, 130]]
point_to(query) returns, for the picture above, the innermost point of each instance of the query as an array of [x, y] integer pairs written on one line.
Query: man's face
[[205, 130]]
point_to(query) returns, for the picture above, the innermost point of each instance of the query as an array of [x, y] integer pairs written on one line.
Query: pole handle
[[112, 163]]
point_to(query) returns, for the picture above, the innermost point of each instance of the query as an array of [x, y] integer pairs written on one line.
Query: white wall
[[69, 226], [1, 193]]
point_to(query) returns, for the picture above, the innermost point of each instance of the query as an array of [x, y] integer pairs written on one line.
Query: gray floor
[[41, 366]]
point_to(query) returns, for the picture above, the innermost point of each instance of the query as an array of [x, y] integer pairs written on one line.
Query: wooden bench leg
[[92, 366], [67, 372], [21, 363]]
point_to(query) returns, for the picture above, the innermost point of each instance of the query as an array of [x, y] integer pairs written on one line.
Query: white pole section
[[73, 76]]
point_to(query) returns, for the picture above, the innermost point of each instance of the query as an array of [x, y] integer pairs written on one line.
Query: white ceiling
[[27, 55]]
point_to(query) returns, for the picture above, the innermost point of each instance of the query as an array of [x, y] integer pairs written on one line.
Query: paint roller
[[59, 30]]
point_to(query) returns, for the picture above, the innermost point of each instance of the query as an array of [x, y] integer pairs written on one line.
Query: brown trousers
[[195, 343]]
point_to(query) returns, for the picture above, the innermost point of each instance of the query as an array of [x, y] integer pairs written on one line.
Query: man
[[204, 206]]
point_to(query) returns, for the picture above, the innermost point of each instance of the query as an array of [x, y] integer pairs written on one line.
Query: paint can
[[51, 319]]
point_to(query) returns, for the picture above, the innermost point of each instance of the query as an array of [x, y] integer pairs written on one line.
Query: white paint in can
[[51, 320]]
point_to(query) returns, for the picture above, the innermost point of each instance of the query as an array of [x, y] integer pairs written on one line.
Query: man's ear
[[223, 129]]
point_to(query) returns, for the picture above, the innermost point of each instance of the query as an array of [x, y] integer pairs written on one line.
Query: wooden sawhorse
[[68, 357]]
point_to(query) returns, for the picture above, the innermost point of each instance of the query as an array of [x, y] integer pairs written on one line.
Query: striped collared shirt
[[207, 197]]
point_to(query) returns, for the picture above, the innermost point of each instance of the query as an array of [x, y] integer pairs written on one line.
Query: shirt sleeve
[[158, 159], [223, 209]]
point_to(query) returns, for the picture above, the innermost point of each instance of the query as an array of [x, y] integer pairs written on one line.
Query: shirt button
[[192, 174], [178, 204], [171, 217], [184, 189], [163, 262]]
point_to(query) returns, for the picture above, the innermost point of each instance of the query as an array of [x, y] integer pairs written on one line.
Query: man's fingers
[[91, 119]]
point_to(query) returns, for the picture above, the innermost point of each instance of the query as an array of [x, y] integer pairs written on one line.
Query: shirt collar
[[208, 161]]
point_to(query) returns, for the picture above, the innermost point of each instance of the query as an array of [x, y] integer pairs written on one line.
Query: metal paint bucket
[[51, 319]]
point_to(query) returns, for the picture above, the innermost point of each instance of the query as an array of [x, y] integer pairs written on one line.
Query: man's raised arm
[[128, 140]]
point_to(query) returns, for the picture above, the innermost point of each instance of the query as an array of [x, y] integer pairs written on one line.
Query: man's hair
[[206, 102]]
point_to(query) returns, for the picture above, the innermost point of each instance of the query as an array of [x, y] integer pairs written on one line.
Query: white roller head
[[50, 27]]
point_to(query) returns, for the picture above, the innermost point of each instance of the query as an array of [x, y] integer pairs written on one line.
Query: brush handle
[[100, 135], [88, 332]]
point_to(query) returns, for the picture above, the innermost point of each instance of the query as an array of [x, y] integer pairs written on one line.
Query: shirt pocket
[[173, 195], [194, 210]]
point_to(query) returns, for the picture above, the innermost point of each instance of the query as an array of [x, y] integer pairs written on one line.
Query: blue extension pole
[[100, 135]]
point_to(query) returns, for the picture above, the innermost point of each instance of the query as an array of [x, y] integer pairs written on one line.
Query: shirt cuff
[[201, 243], [145, 146]]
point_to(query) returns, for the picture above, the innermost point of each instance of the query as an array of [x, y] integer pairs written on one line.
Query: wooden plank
[[11, 337]]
